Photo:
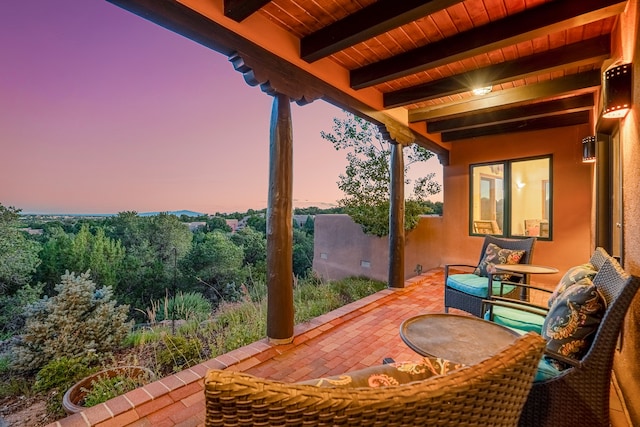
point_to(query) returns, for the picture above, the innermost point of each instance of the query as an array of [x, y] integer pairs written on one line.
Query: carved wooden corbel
[[270, 78]]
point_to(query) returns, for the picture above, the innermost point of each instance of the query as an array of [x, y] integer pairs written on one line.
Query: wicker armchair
[[579, 395], [490, 393], [466, 291]]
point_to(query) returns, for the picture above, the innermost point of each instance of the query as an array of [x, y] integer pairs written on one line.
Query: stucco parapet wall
[[342, 249]]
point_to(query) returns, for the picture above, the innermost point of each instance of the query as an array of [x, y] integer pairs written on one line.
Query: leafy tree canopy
[[366, 180]]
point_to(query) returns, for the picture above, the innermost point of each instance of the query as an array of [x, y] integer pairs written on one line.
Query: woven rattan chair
[[579, 395], [490, 393], [467, 291]]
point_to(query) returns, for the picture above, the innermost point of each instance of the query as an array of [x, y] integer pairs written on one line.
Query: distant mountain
[[176, 213]]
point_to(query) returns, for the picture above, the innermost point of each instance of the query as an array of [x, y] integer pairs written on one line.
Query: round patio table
[[462, 339]]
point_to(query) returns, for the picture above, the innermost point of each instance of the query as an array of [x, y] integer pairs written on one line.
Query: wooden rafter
[[542, 20], [239, 10], [570, 119], [532, 111], [585, 82], [590, 51], [368, 22]]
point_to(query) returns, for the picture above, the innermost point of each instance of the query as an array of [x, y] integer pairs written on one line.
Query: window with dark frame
[[512, 198]]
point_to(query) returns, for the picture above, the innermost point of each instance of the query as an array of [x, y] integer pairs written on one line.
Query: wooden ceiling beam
[[570, 119], [238, 10], [540, 21], [368, 22], [574, 83], [542, 109], [591, 51]]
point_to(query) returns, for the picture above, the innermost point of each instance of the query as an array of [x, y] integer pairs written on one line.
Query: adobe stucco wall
[[572, 196], [341, 249], [626, 364]]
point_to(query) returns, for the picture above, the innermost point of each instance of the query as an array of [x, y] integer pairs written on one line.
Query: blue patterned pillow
[[573, 320], [572, 276], [493, 255]]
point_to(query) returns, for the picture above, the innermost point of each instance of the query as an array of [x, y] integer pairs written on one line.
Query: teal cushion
[[546, 370], [519, 320], [473, 284]]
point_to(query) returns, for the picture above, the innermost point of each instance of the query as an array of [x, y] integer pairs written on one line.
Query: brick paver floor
[[355, 336]]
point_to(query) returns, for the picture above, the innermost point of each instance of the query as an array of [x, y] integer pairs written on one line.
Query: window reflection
[[512, 198]]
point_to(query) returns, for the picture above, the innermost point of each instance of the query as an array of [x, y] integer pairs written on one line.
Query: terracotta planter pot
[[75, 395]]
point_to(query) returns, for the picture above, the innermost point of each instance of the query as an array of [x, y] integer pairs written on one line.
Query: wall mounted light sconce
[[589, 149], [617, 91]]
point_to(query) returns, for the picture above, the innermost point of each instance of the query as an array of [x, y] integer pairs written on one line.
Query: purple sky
[[102, 111]]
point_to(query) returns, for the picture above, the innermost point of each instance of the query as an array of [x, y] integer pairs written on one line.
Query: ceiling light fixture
[[482, 90], [617, 91]]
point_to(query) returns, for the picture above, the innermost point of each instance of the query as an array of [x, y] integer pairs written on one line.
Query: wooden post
[[280, 224], [396, 217]]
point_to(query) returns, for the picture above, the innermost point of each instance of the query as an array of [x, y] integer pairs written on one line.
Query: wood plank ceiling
[[541, 59]]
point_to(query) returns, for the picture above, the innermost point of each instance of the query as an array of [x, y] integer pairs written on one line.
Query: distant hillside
[[176, 213]]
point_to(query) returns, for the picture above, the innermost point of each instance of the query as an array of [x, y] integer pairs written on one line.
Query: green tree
[[18, 254], [215, 265], [80, 319], [302, 253], [217, 223], [366, 180]]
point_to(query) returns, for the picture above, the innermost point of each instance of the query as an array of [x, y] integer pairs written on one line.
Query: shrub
[[179, 353], [78, 321], [61, 373], [188, 306], [105, 387]]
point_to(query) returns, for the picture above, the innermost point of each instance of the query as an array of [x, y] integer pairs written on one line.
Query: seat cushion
[[573, 319], [571, 277], [518, 320], [546, 370], [473, 284], [493, 255], [388, 374]]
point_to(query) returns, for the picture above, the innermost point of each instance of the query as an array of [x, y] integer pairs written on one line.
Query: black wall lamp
[[589, 149], [617, 91]]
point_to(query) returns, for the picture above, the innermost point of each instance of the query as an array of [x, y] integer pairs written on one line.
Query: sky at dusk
[[102, 111]]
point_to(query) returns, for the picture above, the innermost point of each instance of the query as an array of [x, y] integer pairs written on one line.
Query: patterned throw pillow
[[573, 320], [389, 374], [572, 276], [493, 255]]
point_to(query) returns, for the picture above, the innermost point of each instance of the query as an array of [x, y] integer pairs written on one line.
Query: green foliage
[[188, 306], [302, 253], [106, 387], [366, 180], [79, 320], [140, 337], [12, 309], [179, 353], [61, 373], [238, 324], [253, 244], [217, 223], [18, 255], [215, 264], [81, 252]]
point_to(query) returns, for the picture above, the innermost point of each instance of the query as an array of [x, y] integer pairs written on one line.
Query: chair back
[[525, 245], [580, 395], [491, 392]]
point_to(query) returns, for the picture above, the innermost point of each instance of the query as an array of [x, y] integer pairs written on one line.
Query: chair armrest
[[562, 358], [446, 268], [522, 285], [514, 304]]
